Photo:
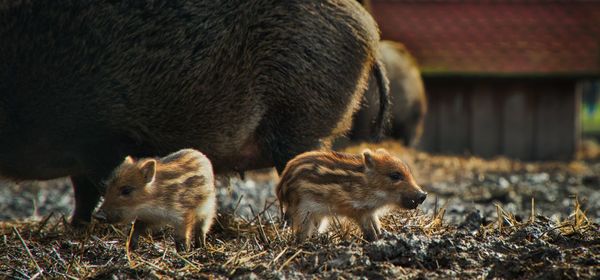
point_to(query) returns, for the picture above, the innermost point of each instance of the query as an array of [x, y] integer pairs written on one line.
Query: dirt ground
[[495, 218]]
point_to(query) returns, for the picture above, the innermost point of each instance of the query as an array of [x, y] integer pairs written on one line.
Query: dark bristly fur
[[319, 184], [251, 83], [177, 190]]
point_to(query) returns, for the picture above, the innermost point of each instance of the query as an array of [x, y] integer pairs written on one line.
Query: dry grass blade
[[436, 221], [277, 257], [150, 264], [249, 258], [289, 260], [261, 231], [532, 217], [435, 206], [257, 216], [127, 248], [118, 231], [39, 270], [188, 262], [233, 260], [43, 223], [274, 228], [577, 222], [499, 214], [237, 205], [340, 233]]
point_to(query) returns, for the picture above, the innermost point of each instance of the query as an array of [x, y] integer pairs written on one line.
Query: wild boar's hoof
[[79, 224]]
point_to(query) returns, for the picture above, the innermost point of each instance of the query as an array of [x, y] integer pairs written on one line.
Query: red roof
[[498, 37]]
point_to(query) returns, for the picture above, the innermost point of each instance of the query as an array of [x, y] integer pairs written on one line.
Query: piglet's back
[[186, 161], [188, 169], [319, 169]]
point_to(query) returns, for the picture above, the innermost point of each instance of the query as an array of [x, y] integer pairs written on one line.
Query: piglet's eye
[[396, 176], [126, 190]]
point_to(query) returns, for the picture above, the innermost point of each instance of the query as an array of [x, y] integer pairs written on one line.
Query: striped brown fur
[[176, 190], [319, 184]]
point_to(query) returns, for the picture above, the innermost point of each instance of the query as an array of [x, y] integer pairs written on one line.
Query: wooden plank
[[429, 139], [577, 99], [555, 129], [517, 123], [485, 122], [454, 120]]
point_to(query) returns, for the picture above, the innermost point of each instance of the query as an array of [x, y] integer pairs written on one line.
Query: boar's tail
[[384, 101]]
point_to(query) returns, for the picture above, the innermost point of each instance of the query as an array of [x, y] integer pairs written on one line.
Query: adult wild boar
[[407, 94], [249, 83]]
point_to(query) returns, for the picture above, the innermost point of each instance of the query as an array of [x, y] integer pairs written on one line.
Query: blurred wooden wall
[[528, 119]]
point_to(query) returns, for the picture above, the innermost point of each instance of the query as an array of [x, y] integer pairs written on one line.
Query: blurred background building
[[502, 77]]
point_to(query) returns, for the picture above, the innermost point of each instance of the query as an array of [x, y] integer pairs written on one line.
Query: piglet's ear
[[148, 170], [368, 159], [129, 159]]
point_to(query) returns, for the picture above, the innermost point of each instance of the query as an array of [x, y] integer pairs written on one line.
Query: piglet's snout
[[421, 196]]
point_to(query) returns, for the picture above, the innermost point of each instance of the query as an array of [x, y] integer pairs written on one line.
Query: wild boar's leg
[[87, 196]]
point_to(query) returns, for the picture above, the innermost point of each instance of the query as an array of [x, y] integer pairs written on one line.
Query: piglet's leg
[[183, 232], [322, 224], [367, 227], [199, 236], [376, 224], [201, 228], [306, 226], [139, 227], [182, 243]]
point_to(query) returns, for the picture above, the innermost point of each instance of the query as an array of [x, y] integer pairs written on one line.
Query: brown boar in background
[[407, 94], [320, 184], [249, 83], [177, 190]]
